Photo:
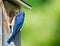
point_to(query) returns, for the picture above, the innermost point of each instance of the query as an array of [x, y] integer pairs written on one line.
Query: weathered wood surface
[[0, 22], [0, 26], [4, 35]]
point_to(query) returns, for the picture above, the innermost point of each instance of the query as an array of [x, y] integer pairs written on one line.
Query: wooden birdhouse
[[10, 8]]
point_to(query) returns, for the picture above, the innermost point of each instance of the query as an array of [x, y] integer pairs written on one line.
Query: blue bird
[[18, 25]]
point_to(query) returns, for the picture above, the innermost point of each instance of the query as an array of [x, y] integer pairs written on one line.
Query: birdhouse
[[12, 8]]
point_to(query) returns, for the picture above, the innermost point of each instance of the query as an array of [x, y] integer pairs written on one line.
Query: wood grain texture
[[7, 20]]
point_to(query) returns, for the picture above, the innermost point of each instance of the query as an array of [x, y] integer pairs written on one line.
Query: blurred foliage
[[39, 3], [42, 24]]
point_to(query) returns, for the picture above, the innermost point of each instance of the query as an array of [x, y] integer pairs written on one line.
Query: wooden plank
[[0, 22], [0, 26]]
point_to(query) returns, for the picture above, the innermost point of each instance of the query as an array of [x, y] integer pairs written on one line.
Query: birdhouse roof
[[23, 3], [19, 3]]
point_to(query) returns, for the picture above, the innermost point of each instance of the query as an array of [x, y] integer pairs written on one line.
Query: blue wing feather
[[18, 25]]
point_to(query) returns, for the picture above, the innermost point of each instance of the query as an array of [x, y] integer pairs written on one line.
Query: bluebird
[[17, 26]]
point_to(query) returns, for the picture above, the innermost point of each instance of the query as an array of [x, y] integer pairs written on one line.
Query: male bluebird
[[18, 25]]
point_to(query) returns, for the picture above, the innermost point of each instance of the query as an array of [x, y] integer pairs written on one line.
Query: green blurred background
[[42, 24]]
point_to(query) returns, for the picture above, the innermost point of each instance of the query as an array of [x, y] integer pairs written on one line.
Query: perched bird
[[11, 6], [18, 25]]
